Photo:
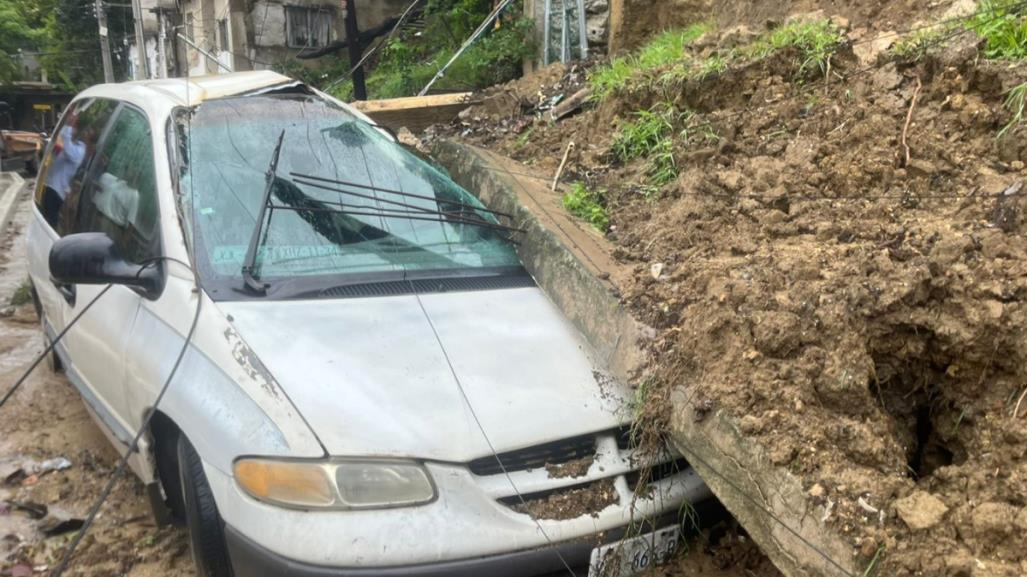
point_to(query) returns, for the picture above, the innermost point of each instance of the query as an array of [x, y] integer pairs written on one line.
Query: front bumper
[[250, 559]]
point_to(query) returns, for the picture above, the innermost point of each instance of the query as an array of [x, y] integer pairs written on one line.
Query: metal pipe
[[565, 39], [141, 72], [546, 34], [582, 30], [190, 42]]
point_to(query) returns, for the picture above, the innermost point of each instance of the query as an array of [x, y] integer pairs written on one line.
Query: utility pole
[[137, 15], [355, 50], [105, 43]]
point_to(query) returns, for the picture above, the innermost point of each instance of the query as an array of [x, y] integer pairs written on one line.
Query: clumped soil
[[860, 315], [723, 550], [587, 499]]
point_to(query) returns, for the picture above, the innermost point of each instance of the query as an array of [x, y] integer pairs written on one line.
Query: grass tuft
[[669, 47], [652, 136], [664, 50], [916, 45], [588, 205], [816, 41], [22, 295], [1016, 102]]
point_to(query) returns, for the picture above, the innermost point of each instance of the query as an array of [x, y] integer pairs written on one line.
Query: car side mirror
[[93, 258]]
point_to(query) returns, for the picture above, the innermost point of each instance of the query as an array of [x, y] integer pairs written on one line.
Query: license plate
[[634, 555]]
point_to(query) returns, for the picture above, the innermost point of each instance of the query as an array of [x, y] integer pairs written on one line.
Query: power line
[[143, 427]]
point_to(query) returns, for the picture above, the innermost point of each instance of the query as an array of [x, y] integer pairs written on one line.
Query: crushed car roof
[[194, 90]]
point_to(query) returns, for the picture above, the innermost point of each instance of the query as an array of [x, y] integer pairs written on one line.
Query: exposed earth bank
[[839, 267]]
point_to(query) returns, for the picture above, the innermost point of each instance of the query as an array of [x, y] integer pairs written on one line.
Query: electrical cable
[[50, 346], [484, 434], [378, 46], [467, 43], [143, 427]]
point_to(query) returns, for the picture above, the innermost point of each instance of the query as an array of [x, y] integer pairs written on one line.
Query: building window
[[223, 35], [308, 27]]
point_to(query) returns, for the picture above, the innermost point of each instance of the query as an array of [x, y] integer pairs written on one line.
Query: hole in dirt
[[926, 424]]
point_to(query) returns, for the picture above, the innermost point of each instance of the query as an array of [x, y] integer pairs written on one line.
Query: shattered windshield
[[346, 199]]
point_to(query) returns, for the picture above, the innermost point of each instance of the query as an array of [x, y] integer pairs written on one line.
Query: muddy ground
[[45, 420], [860, 312]]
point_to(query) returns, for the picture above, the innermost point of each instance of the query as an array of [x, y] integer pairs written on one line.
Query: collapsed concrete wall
[[574, 266]]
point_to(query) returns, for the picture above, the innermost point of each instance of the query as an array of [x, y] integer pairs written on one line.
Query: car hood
[[372, 379]]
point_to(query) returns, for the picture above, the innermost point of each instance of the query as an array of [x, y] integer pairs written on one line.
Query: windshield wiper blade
[[428, 216], [459, 216], [249, 264], [396, 192]]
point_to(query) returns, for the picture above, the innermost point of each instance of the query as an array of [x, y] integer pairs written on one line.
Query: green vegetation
[[62, 36], [669, 47], [610, 78], [1003, 25], [588, 205], [816, 41], [666, 49], [23, 294], [916, 45], [652, 136], [409, 61], [649, 136], [524, 138], [1016, 102]]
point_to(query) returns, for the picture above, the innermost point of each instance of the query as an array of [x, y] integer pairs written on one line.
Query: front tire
[[206, 530]]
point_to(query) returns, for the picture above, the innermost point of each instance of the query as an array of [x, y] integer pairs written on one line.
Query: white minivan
[[374, 385]]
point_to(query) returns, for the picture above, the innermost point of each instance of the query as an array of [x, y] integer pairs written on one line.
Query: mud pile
[[858, 309]]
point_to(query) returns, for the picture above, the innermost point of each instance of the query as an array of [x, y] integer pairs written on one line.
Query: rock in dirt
[[867, 52], [993, 519], [921, 510]]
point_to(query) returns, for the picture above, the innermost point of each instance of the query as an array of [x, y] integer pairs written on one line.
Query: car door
[[118, 199], [61, 176]]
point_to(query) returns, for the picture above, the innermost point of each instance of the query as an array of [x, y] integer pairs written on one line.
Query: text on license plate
[[632, 556]]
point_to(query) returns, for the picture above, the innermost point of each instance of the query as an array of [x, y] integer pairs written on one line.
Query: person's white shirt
[[66, 163]]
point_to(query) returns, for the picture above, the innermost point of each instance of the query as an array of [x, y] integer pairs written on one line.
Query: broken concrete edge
[[767, 500], [11, 184], [587, 301]]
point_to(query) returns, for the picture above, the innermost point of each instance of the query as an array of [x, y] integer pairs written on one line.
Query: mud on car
[[374, 385]]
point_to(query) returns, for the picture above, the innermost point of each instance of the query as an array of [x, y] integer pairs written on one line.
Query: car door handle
[[67, 291]]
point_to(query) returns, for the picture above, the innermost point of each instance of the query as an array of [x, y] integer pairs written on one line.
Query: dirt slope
[[860, 315]]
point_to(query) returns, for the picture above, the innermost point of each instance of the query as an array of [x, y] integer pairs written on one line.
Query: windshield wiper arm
[[249, 264]]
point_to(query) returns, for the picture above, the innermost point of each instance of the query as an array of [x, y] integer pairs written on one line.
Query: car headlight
[[342, 484]]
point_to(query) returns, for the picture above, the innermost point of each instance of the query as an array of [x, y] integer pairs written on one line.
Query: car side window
[[68, 158], [120, 197]]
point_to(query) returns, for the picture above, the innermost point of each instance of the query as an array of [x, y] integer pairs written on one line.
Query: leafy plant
[[410, 60], [1016, 102], [588, 205], [1003, 25]]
